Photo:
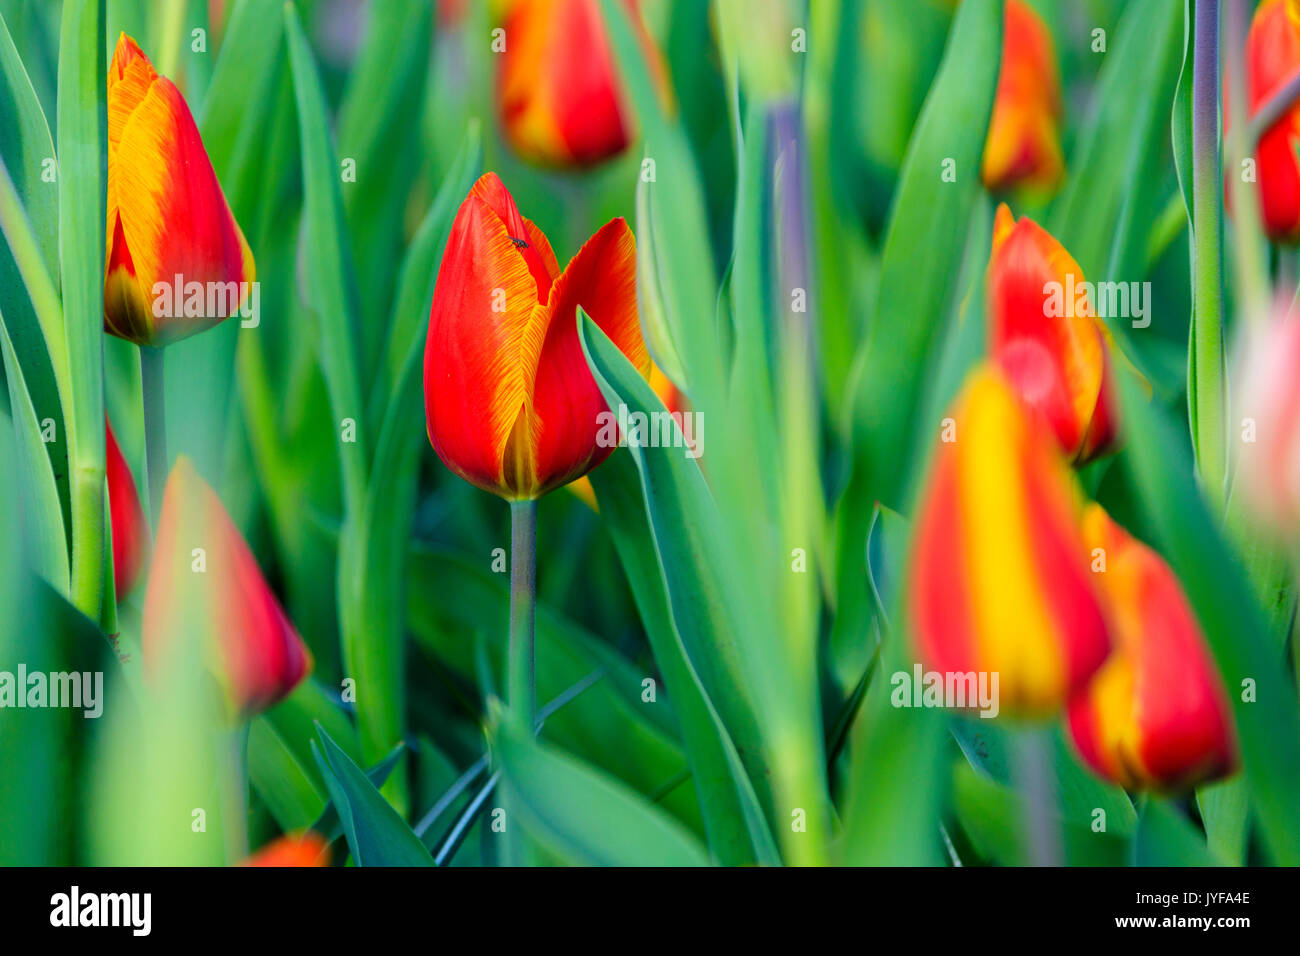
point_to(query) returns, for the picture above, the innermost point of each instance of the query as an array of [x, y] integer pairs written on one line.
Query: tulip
[[304, 849], [999, 579], [176, 261], [1268, 404], [511, 405], [1272, 58], [1024, 140], [1156, 714], [130, 530], [203, 576], [558, 92], [1052, 348]]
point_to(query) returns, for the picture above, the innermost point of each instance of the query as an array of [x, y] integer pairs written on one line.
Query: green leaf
[[328, 824], [733, 818], [1166, 838], [43, 515], [583, 816], [27, 149], [376, 833]]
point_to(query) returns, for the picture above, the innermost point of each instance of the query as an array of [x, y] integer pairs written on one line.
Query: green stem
[[155, 424], [1211, 436], [1032, 751], [522, 686]]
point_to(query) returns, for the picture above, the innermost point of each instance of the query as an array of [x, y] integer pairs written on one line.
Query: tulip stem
[[522, 686], [155, 424], [1034, 770]]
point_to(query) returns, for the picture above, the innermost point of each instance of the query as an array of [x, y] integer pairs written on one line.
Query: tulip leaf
[[376, 833], [386, 89], [27, 150], [328, 824], [1263, 697], [1166, 838], [330, 281], [82, 145], [290, 790], [733, 817], [694, 552], [583, 816], [43, 515]]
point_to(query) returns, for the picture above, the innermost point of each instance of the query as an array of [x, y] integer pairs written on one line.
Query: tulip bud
[[1156, 714], [511, 405], [999, 579], [176, 261], [1272, 58], [130, 530], [558, 91], [1024, 140], [1268, 408], [304, 849], [204, 577], [1049, 344]]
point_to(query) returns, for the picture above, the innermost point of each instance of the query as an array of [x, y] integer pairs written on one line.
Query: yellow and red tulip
[[205, 578], [1156, 714], [1272, 58], [129, 528], [1059, 364], [510, 403], [558, 92], [1024, 140], [999, 578], [303, 849], [168, 221], [1268, 404]]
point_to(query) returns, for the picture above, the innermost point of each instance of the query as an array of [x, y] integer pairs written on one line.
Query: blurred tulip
[[1057, 359], [1024, 140], [203, 576], [130, 530], [1156, 714], [303, 849], [176, 261], [558, 92], [999, 579], [1272, 58], [511, 405], [1268, 403]]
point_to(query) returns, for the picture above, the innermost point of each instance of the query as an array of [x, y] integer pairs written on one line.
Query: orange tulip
[[1024, 140], [558, 92], [304, 849], [1272, 58], [510, 403], [1156, 714], [999, 579], [130, 530], [1051, 347], [203, 576], [176, 262]]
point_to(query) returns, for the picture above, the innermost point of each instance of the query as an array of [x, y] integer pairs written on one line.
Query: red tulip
[[1268, 405], [1156, 714], [130, 530], [304, 849], [1058, 359], [204, 577], [510, 402], [1024, 141], [1272, 58], [999, 580], [557, 85], [176, 261]]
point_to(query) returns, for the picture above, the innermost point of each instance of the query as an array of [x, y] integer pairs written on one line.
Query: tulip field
[[649, 433]]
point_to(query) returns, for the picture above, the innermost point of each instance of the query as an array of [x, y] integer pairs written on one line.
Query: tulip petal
[[127, 521]]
